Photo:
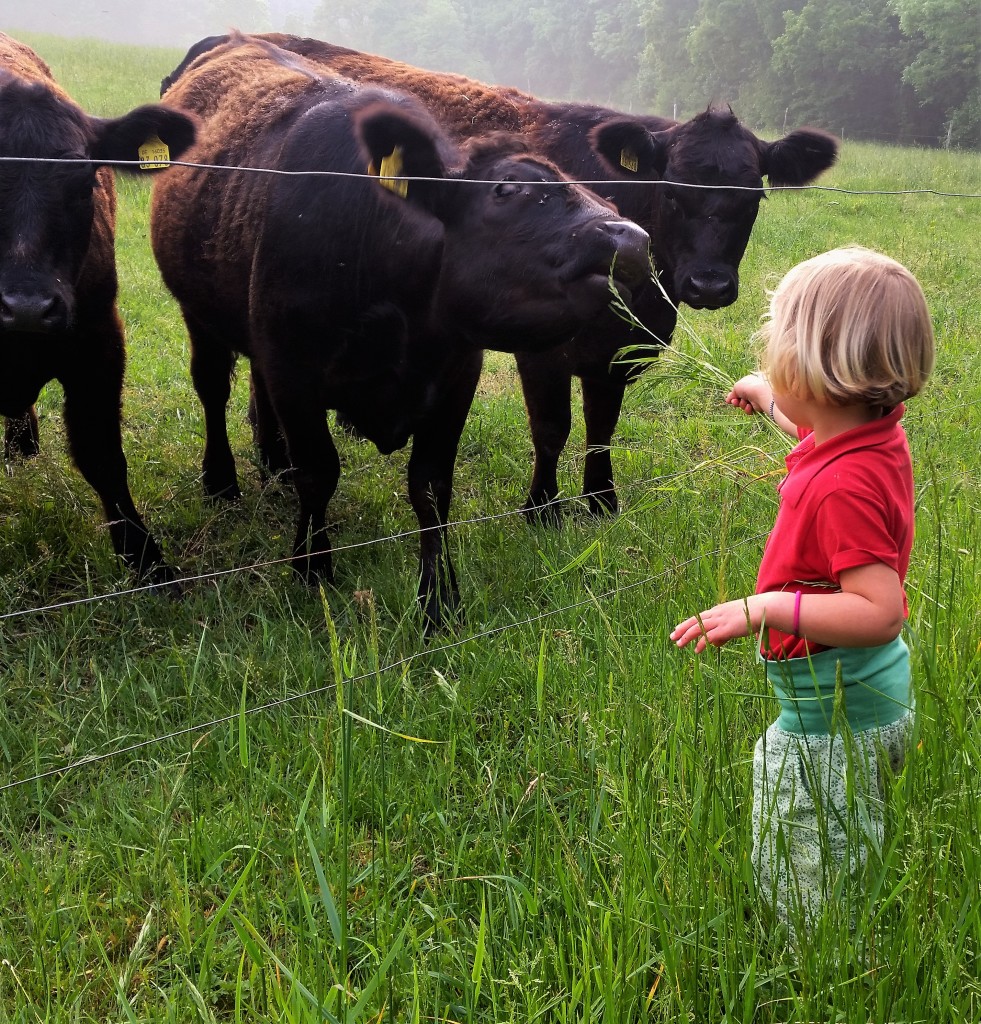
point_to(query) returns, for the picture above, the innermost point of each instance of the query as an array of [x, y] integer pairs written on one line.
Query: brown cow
[[58, 317], [698, 236], [372, 301]]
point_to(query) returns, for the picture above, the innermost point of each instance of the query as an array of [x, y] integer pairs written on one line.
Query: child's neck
[[829, 421]]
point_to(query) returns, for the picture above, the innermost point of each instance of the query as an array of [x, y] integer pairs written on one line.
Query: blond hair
[[850, 326]]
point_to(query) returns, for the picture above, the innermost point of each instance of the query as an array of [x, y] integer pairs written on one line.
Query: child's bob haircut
[[848, 327]]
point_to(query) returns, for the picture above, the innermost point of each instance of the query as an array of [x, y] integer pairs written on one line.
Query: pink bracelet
[[797, 598]]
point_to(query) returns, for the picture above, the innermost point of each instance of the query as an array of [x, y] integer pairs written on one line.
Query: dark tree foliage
[[895, 70]]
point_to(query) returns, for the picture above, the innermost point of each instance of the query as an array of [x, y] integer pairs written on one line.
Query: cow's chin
[[591, 294]]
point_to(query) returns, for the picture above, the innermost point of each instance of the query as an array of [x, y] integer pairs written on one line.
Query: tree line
[[897, 70], [904, 71]]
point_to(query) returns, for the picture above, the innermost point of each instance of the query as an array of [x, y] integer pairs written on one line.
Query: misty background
[[903, 71]]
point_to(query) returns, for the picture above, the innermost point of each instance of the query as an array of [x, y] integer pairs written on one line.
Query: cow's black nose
[[710, 290], [33, 313]]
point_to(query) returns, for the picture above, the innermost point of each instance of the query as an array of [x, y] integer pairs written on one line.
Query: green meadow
[[268, 803]]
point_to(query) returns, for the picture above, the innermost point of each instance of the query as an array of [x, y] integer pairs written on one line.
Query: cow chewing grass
[[646, 166], [372, 295]]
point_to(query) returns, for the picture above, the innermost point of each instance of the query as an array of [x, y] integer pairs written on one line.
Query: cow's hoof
[[603, 503], [546, 513], [163, 580], [439, 621], [314, 569], [222, 491]]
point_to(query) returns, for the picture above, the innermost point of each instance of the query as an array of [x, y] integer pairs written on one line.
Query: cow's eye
[[508, 187]]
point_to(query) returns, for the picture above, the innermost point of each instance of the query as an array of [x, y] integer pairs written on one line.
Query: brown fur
[[237, 93], [22, 61], [463, 106]]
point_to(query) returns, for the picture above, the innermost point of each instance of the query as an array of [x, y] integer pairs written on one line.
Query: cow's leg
[[92, 425], [434, 448], [266, 432], [212, 362], [547, 391], [21, 437], [316, 467], [602, 399]]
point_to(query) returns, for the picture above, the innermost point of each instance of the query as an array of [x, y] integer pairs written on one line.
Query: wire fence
[[726, 461], [585, 182], [340, 548], [374, 673]]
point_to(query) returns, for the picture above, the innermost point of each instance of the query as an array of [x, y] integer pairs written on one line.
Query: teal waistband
[[875, 687]]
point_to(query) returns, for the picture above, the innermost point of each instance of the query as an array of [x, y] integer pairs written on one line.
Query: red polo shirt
[[843, 504]]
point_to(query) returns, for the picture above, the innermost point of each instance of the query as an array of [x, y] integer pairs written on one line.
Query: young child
[[848, 339]]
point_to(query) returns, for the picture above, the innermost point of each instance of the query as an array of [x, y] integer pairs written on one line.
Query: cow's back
[[245, 103], [22, 61], [463, 106]]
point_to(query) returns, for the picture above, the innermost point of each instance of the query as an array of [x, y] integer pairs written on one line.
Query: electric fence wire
[[593, 599], [408, 659], [594, 183], [725, 460], [271, 563]]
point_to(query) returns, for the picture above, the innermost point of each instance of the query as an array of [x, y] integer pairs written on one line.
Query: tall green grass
[[542, 817]]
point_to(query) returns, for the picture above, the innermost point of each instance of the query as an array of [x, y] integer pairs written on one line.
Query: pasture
[[285, 805]]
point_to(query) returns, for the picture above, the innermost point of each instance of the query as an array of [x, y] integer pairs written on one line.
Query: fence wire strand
[[404, 535], [593, 599], [587, 183], [725, 461]]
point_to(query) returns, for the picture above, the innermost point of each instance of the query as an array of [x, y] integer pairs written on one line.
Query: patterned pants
[[817, 808]]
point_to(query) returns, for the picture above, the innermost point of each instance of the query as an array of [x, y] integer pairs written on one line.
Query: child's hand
[[751, 394], [720, 624]]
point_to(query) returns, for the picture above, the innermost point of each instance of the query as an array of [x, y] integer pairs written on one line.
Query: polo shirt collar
[[807, 460]]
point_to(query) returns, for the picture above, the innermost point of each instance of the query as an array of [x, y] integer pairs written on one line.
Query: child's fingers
[[686, 631], [740, 403]]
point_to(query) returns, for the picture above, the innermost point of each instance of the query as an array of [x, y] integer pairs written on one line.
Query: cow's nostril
[[30, 312], [710, 290]]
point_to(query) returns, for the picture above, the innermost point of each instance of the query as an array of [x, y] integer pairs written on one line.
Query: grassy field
[[267, 803]]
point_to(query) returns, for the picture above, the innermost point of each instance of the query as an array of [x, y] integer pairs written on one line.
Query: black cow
[[58, 317], [698, 235], [372, 301]]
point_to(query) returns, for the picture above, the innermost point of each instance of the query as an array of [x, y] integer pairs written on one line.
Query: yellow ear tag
[[153, 154], [391, 168], [628, 160]]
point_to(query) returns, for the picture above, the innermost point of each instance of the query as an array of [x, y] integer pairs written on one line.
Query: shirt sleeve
[[853, 528]]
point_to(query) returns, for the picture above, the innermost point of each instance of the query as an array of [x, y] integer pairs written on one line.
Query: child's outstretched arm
[[752, 393], [866, 612]]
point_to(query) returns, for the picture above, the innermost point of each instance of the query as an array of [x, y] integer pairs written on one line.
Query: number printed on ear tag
[[154, 153], [628, 160]]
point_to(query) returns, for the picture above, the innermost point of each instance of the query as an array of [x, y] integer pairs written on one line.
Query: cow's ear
[[399, 146], [628, 148], [799, 157], [168, 134]]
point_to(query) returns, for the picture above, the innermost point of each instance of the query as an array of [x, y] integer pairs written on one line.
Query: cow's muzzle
[[709, 289], [32, 312]]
